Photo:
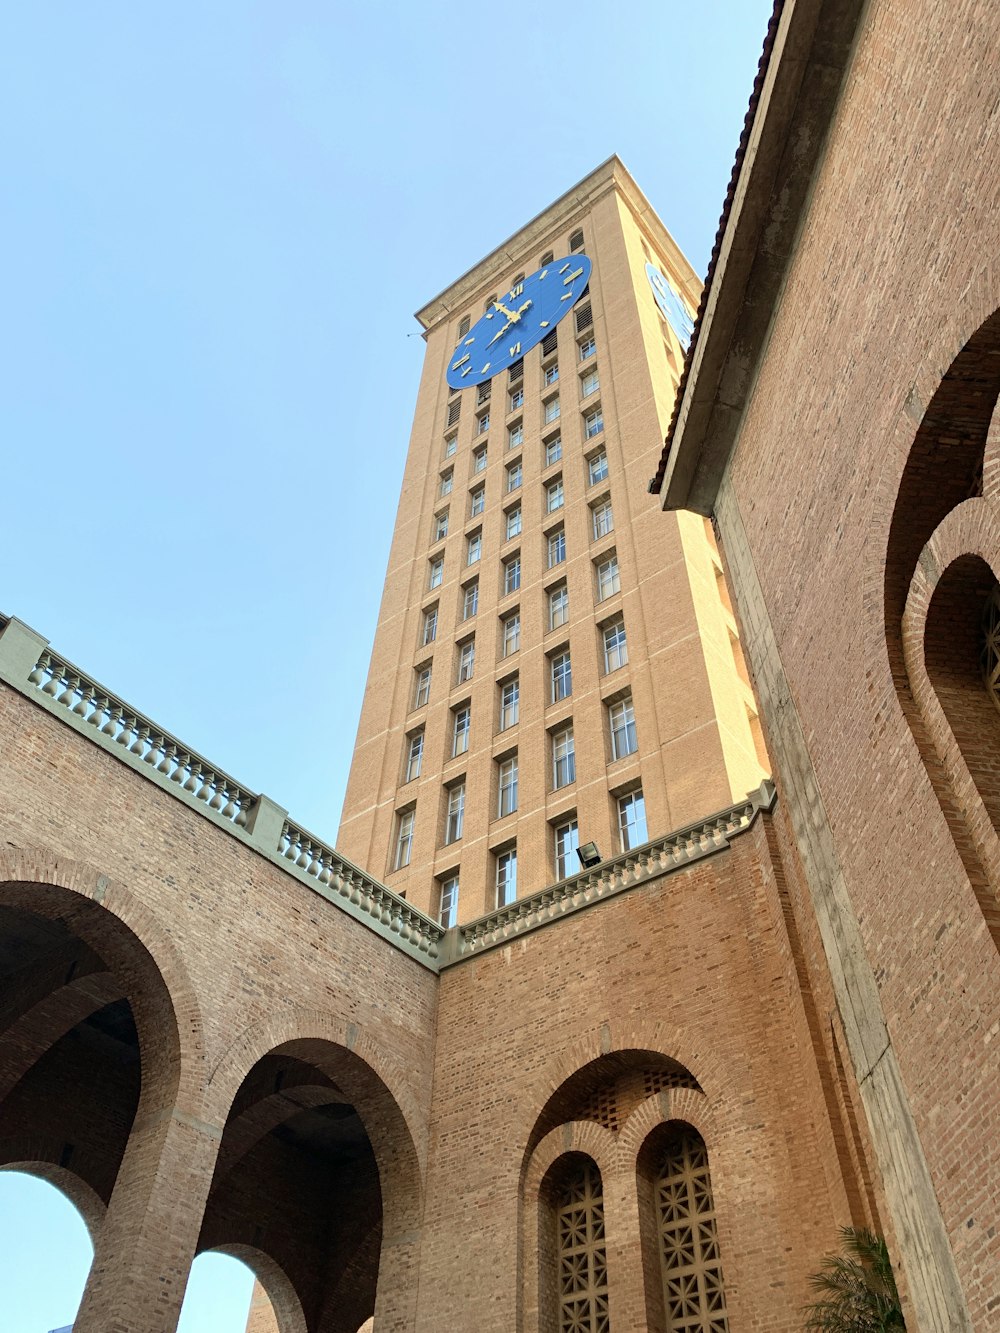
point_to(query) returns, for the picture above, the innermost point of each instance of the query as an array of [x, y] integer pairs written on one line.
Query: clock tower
[[556, 666]]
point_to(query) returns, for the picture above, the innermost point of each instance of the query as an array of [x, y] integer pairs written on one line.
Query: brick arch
[[388, 1110], [39, 1157], [576, 1138], [654, 1038], [687, 1104], [115, 924], [943, 608], [288, 1313], [959, 327]]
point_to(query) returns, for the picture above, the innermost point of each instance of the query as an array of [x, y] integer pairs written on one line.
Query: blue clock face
[[518, 320], [672, 308]]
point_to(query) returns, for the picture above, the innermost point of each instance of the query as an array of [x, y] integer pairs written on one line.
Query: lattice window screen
[[693, 1292], [583, 1267], [991, 645]]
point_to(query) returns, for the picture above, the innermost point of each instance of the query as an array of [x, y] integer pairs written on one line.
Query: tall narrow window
[[561, 673], [576, 242], [441, 525], [507, 787], [588, 346], [558, 606], [554, 495], [563, 758], [477, 501], [589, 383], [515, 435], [550, 374], [514, 522], [405, 823], [436, 572], [430, 625], [514, 476], [466, 660], [567, 840], [632, 820], [456, 813], [506, 877], [510, 695], [593, 422], [414, 755], [516, 398], [421, 686], [694, 1296], [550, 410], [512, 574], [615, 646], [473, 548], [597, 468], [447, 481], [602, 519], [553, 450], [460, 730], [511, 634], [582, 1264], [608, 578], [556, 547], [448, 902], [621, 716], [470, 600], [482, 425]]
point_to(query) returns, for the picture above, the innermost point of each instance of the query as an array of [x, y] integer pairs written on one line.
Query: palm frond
[[857, 1289]]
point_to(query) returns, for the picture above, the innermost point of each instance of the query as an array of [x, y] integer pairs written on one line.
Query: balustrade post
[[147, 1241], [20, 649], [265, 823]]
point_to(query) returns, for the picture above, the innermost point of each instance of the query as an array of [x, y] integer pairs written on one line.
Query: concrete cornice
[[811, 53], [560, 215]]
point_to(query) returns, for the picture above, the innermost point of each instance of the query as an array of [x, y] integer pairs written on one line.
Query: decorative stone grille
[[990, 657], [582, 1258], [693, 1293]]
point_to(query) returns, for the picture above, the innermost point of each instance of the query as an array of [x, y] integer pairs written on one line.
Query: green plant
[[857, 1288]]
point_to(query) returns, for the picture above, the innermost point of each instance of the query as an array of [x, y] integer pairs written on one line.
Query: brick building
[[643, 1095], [554, 661]]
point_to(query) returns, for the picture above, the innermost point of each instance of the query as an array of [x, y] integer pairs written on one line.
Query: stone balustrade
[[346, 883], [602, 881], [29, 665]]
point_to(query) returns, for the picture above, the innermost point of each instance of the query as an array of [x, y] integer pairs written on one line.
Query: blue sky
[[218, 222]]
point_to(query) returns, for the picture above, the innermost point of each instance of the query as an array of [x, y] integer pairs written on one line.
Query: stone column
[[147, 1243]]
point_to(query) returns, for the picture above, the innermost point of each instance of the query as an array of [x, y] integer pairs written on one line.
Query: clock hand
[[504, 311], [497, 336]]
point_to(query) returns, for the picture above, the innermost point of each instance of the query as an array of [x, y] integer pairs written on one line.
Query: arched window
[[575, 1252], [676, 1193]]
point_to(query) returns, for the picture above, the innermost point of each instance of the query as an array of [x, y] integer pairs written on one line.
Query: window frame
[[504, 881], [561, 589], [406, 823], [629, 799], [510, 703], [563, 849], [461, 728], [610, 585], [414, 756], [618, 649], [454, 813], [626, 728], [564, 763], [560, 676], [507, 780]]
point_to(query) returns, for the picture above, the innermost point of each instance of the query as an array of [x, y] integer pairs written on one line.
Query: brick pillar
[[147, 1243], [626, 1286], [396, 1295]]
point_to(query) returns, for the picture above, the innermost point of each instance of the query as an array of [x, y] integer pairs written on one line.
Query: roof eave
[[795, 105]]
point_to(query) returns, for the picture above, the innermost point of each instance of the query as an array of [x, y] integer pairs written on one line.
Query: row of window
[[602, 524], [607, 582], [621, 723], [575, 247], [589, 383], [630, 813], [593, 425], [551, 407], [560, 670], [597, 471]]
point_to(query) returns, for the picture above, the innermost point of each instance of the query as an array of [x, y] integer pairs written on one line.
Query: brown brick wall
[[894, 273]]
